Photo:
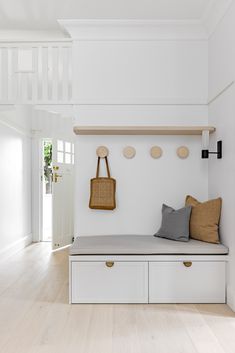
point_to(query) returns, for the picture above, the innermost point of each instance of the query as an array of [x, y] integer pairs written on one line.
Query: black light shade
[[205, 153]]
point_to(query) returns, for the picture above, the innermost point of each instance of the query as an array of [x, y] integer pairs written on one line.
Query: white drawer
[[174, 282], [95, 282]]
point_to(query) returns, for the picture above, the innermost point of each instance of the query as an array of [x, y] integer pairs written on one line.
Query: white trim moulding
[[15, 247], [18, 129], [5, 42], [131, 30], [143, 101], [214, 14], [222, 91], [135, 102]]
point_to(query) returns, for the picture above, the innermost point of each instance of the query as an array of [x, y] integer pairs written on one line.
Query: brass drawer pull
[[187, 263], [109, 263]]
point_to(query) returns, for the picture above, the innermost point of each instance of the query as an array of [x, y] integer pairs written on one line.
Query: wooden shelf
[[142, 130]]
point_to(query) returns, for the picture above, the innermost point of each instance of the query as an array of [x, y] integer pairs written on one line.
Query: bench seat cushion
[[142, 245]]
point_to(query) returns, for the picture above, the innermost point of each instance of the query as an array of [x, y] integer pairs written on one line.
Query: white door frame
[[37, 197], [37, 187], [41, 177]]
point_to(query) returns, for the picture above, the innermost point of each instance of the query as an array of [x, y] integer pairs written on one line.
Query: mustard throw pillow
[[204, 220]]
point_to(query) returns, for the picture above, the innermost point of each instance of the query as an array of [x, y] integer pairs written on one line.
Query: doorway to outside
[[57, 191], [47, 190]]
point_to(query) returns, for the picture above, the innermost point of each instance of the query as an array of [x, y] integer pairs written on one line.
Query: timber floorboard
[[35, 316]]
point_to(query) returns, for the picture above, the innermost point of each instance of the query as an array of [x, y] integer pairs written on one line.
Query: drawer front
[[107, 282], [179, 282]]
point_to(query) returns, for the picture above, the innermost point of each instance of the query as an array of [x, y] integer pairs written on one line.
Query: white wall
[[120, 82], [51, 124], [143, 184], [141, 72], [221, 114], [15, 180]]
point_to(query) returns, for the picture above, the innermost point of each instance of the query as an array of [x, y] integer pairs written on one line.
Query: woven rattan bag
[[103, 190]]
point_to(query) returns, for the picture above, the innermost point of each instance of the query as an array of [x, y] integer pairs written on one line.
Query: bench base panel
[[147, 279]]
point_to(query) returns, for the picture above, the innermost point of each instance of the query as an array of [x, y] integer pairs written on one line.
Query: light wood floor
[[35, 316]]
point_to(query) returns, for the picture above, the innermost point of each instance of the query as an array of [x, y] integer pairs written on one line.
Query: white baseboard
[[231, 298], [16, 246]]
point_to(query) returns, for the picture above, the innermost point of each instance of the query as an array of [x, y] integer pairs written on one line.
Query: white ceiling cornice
[[189, 20], [214, 13], [134, 29], [113, 29]]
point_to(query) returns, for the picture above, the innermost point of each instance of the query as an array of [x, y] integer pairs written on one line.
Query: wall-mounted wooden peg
[[102, 151], [156, 152], [182, 152], [129, 152]]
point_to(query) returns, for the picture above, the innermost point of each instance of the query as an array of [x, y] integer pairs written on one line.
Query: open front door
[[62, 193]]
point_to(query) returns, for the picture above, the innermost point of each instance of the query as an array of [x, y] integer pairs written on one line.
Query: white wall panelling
[[221, 114], [140, 72], [135, 115], [136, 73], [138, 62], [142, 184], [221, 54]]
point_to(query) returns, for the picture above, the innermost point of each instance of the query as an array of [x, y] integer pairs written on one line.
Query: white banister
[[43, 78], [44, 73], [4, 74], [65, 77], [13, 92], [55, 73], [35, 74]]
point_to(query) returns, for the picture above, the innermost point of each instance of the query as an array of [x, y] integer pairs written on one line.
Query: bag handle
[[98, 167]]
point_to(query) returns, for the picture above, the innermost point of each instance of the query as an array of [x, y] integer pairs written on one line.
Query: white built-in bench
[[146, 269]]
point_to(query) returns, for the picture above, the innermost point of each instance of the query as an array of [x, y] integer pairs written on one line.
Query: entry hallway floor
[[35, 316]]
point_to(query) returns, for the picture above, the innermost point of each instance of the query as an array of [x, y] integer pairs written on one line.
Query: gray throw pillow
[[175, 223]]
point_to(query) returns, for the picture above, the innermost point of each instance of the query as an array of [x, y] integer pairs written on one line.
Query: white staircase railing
[[36, 72]]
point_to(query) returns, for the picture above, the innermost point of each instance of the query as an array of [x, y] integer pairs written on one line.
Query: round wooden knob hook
[[156, 152], [102, 151], [183, 152], [129, 152]]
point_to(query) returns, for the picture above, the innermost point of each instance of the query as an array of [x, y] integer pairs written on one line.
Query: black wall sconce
[[205, 153]]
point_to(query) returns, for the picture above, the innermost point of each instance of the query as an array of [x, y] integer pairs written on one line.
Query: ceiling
[[43, 14]]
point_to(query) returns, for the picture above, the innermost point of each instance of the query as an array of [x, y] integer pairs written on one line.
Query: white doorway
[[57, 191], [62, 192]]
